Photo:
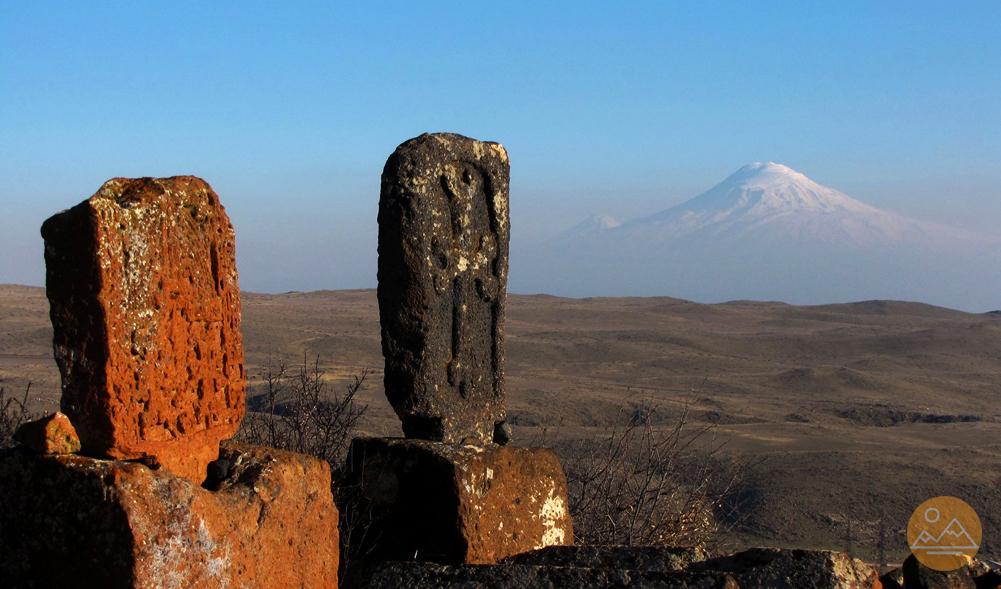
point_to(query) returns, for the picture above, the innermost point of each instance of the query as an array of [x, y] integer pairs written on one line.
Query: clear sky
[[289, 110]]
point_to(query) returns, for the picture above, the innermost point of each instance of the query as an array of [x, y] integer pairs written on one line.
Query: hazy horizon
[[290, 114]]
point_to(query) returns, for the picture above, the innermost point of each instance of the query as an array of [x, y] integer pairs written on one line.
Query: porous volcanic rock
[[918, 576], [458, 504], [988, 580], [637, 558], [52, 434], [773, 567], [518, 576], [639, 567], [144, 301], [893, 579], [70, 520], [443, 261]]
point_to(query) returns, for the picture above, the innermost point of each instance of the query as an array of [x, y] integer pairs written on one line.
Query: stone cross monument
[[452, 490], [145, 306], [443, 260]]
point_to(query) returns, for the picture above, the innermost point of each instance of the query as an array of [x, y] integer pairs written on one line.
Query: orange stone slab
[[145, 305], [268, 522]]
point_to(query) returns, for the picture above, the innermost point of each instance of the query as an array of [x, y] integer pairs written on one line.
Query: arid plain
[[846, 413]]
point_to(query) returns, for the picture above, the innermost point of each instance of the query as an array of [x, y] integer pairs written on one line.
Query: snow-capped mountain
[[768, 232], [772, 202]]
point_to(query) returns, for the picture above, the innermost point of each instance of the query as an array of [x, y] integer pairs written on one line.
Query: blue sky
[[290, 109]]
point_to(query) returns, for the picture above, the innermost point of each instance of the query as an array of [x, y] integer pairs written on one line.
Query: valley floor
[[847, 414]]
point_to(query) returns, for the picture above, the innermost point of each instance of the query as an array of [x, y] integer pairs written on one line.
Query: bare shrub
[[359, 529], [13, 412], [295, 410], [650, 485]]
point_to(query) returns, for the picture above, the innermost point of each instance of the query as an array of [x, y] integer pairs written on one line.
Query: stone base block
[[585, 567], [268, 520], [654, 559], [775, 567], [458, 504]]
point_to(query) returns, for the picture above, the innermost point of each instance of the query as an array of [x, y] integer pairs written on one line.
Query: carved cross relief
[[466, 271]]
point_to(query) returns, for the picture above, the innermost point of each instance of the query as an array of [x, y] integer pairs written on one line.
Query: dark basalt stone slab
[[640, 567], [456, 504], [515, 576], [637, 558], [443, 263]]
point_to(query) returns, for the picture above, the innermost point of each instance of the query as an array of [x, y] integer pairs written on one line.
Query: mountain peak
[[764, 188], [762, 173], [759, 166]]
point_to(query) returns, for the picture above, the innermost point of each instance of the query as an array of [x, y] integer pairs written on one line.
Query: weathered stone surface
[[443, 263], [428, 575], [639, 568], [988, 580], [893, 579], [978, 567], [456, 504], [979, 571], [638, 558], [145, 305], [771, 567], [918, 576], [52, 434], [68, 521]]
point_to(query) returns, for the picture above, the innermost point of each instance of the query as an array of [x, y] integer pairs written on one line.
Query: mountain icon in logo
[[954, 539]]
